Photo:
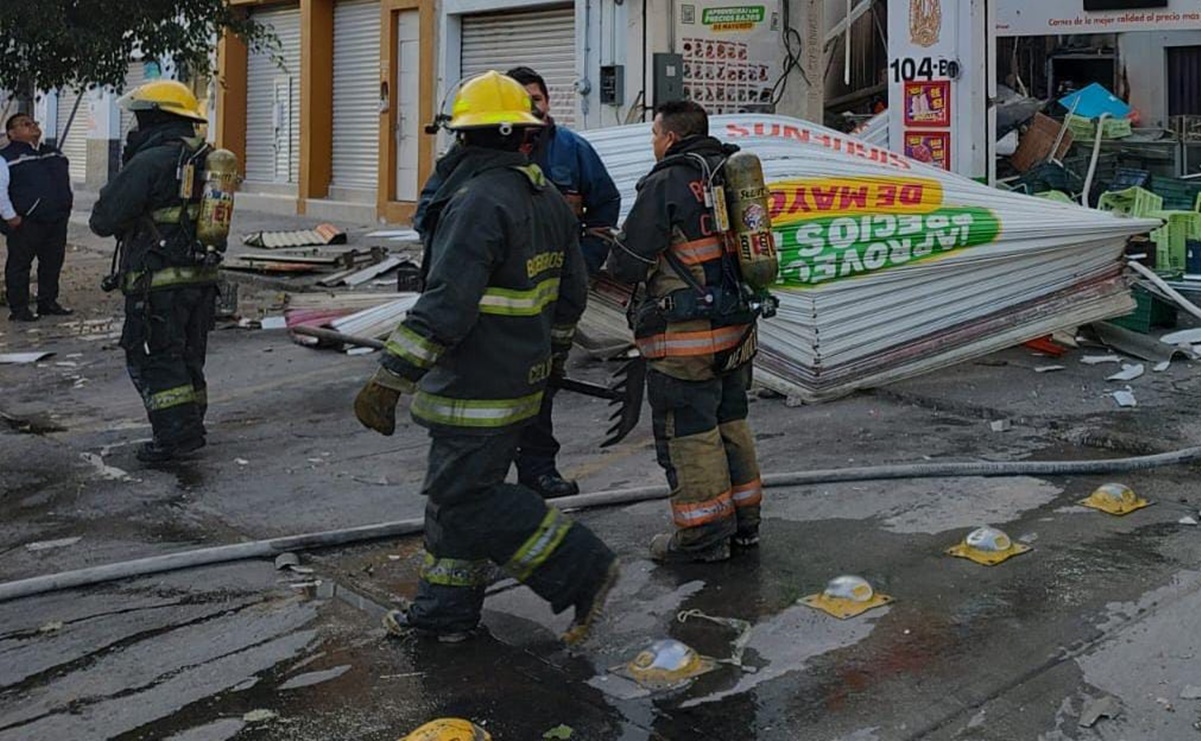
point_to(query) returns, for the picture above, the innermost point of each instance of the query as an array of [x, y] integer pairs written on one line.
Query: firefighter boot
[[156, 452], [398, 624], [588, 608], [665, 548]]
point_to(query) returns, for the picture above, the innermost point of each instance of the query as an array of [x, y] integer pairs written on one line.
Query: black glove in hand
[[558, 364], [375, 406]]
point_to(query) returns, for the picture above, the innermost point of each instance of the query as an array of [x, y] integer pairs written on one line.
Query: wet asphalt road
[[1101, 607]]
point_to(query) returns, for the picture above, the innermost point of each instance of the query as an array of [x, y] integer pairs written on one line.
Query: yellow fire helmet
[[171, 96], [449, 729], [492, 100]]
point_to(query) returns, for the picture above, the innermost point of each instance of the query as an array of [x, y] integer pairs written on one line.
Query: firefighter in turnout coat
[[699, 351], [169, 287], [505, 286]]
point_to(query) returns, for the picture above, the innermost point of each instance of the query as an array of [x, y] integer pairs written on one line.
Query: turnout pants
[[705, 446], [165, 338], [473, 520], [45, 241], [537, 448]]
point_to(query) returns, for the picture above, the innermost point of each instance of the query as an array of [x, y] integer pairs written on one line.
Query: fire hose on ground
[[331, 538]]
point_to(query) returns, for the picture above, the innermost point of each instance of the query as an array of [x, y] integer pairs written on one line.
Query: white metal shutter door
[[541, 39], [264, 113], [356, 94], [134, 76], [76, 144]]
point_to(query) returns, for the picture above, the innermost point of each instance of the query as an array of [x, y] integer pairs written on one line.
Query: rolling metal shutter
[[266, 86], [542, 39], [1184, 81], [356, 94], [134, 76], [76, 144]]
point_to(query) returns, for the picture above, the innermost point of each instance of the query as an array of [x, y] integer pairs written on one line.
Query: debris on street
[[1094, 710], [1128, 373], [47, 545], [1125, 397], [322, 234], [23, 358]]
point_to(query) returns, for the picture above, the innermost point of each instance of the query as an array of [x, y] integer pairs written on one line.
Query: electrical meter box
[[669, 78], [612, 84]]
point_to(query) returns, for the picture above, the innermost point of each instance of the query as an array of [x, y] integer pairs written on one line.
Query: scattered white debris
[[1000, 425], [1049, 368], [1098, 359], [66, 364], [273, 322], [1187, 521], [106, 471], [23, 358], [1182, 337], [241, 461], [260, 716], [1167, 704], [1125, 398], [360, 351], [47, 545], [1094, 710], [1129, 372]]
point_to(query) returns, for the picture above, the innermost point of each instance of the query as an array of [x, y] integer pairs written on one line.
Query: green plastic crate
[[1170, 239], [1151, 312], [1134, 202]]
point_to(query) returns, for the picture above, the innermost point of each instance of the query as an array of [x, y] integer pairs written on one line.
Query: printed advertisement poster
[[835, 228], [928, 103], [731, 53], [1048, 17], [930, 147]]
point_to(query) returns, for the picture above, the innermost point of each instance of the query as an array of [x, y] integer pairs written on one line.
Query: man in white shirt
[[7, 212]]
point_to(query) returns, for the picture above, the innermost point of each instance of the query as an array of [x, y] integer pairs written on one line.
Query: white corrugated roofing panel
[[891, 267]]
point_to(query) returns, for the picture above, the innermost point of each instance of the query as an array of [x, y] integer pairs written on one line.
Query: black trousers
[[45, 241], [537, 448], [474, 520], [165, 338]]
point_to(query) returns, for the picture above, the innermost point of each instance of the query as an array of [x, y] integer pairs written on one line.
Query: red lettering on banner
[[854, 198], [911, 195]]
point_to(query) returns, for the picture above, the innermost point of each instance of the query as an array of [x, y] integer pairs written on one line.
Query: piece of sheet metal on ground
[[891, 268]]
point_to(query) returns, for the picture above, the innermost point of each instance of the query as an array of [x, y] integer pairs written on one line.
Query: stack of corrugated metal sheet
[[890, 268]]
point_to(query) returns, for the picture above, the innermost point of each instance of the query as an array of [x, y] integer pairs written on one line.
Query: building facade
[[332, 124]]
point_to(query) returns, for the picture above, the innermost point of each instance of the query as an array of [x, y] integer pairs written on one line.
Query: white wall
[[1143, 55], [606, 33]]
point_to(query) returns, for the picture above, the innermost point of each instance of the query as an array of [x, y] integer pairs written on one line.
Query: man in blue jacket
[[570, 162], [40, 191]]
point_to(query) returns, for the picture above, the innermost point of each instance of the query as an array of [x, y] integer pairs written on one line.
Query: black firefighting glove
[[558, 364], [375, 406]]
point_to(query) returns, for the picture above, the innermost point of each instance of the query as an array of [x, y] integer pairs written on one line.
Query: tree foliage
[[46, 44]]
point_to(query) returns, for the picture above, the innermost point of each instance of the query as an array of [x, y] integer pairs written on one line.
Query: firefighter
[[504, 289], [152, 206], [574, 167], [698, 336]]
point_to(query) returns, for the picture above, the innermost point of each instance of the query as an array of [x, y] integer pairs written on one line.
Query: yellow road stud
[[845, 597]]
